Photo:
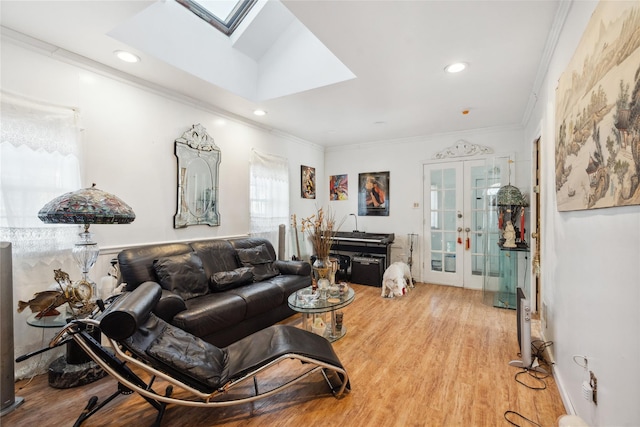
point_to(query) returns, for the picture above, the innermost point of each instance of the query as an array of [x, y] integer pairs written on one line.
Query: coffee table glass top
[[318, 305]]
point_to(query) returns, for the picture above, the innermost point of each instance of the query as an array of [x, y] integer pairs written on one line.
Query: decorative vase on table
[[321, 268]]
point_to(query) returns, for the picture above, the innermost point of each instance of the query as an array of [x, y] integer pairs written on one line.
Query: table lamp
[[86, 206]]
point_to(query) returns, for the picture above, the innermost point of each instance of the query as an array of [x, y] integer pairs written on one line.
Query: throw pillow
[[260, 258], [223, 280], [182, 274]]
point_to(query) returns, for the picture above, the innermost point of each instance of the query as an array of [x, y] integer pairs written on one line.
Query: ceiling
[[397, 51]]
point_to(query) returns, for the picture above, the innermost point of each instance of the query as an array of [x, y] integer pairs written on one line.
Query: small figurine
[[509, 235]]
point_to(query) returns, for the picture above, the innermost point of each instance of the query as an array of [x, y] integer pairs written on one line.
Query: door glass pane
[[450, 199], [450, 218], [478, 191], [436, 241], [443, 216], [436, 179], [436, 261], [450, 263], [449, 178], [450, 242]]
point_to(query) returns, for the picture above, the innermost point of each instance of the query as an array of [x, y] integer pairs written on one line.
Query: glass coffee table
[[331, 304]]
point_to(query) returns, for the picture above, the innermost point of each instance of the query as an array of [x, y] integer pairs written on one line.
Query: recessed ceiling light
[[456, 67], [260, 113], [126, 56]]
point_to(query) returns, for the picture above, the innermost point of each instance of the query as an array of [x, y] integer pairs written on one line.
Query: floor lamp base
[[17, 402]]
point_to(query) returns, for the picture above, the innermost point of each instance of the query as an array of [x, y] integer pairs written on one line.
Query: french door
[[455, 218]]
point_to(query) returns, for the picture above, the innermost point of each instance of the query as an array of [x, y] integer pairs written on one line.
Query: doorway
[[536, 226], [455, 219]]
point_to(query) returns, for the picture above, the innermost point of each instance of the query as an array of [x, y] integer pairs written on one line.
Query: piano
[[369, 254], [366, 238]]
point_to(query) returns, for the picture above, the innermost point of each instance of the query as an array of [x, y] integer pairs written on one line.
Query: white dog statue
[[396, 279]]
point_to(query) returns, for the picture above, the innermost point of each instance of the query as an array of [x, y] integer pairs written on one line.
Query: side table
[[331, 304], [75, 368]]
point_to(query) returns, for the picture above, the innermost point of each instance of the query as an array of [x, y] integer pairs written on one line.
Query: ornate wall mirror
[[198, 166]]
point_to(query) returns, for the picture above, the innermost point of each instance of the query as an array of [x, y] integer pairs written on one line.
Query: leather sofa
[[218, 290]]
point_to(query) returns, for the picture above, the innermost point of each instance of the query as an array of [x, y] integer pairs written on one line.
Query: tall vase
[[321, 268], [321, 272]]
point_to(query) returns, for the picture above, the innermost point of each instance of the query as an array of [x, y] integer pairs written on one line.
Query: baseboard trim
[[556, 371]]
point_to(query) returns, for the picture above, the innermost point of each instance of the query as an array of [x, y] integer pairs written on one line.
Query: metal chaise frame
[[115, 363]]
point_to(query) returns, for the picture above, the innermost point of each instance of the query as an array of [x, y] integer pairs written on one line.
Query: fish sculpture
[[44, 303]]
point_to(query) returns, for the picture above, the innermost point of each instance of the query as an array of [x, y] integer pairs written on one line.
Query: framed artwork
[[597, 145], [373, 194], [307, 182], [339, 187]]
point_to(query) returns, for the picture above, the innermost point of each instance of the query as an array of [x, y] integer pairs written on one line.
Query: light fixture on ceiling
[[260, 112], [456, 67], [125, 56]]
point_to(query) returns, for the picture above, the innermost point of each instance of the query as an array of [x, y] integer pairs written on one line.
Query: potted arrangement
[[320, 228]]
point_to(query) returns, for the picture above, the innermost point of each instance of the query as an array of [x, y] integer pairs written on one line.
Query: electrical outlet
[[590, 389], [416, 205]]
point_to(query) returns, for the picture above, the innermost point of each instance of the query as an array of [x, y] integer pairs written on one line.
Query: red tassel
[[468, 243]]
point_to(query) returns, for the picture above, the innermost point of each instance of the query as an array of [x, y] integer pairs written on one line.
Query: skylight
[[225, 15]]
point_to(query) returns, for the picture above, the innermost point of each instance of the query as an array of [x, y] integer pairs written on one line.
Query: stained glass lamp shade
[[86, 206], [509, 195]]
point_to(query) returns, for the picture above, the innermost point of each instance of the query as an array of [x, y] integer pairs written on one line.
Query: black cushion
[[190, 356], [125, 315], [260, 259], [216, 255], [211, 313], [224, 280], [136, 264], [182, 274], [260, 297]]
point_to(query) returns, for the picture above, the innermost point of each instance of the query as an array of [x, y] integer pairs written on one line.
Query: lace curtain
[[268, 194], [39, 160]]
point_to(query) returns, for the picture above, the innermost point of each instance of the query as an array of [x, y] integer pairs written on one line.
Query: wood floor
[[437, 357]]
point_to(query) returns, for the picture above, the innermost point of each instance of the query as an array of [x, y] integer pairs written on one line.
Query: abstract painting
[[339, 187]]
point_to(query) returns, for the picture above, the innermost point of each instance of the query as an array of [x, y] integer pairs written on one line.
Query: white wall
[[404, 160], [128, 141], [590, 273]]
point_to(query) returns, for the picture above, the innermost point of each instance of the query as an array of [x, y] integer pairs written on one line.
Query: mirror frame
[[196, 144]]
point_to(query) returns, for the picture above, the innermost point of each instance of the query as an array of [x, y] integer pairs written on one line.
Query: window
[[39, 160], [225, 15], [268, 195]]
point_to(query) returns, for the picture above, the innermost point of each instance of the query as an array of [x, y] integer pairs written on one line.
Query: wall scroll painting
[[598, 114]]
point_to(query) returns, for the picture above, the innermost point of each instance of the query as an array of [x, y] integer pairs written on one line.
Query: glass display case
[[505, 268], [501, 290]]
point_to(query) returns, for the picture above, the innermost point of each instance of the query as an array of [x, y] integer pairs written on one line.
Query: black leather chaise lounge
[[144, 341]]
